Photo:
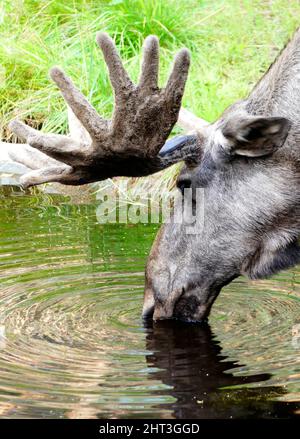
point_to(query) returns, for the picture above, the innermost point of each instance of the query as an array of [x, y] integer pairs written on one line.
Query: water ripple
[[72, 343]]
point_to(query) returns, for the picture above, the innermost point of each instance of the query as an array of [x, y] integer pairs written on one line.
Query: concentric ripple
[[72, 343]]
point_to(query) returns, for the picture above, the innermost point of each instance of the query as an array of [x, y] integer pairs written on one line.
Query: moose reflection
[[189, 359]]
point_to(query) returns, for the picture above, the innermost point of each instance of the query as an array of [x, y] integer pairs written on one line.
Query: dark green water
[[72, 342]]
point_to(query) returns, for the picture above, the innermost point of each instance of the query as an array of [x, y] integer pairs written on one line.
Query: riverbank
[[231, 43]]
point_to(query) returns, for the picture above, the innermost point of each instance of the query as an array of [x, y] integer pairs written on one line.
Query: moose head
[[243, 169]]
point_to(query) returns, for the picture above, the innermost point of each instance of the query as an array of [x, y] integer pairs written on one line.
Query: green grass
[[232, 43]]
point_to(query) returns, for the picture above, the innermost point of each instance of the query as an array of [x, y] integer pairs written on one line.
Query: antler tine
[[22, 130], [61, 174], [61, 148], [29, 157], [150, 63], [118, 76], [82, 109], [128, 144], [176, 82]]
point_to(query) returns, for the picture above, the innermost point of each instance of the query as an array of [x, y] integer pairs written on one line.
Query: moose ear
[[256, 136]]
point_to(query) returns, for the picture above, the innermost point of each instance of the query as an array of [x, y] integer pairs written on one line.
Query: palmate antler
[[127, 145]]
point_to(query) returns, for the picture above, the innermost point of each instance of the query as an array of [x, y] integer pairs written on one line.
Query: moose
[[247, 164]]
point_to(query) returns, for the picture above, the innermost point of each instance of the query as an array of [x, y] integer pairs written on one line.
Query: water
[[73, 345]]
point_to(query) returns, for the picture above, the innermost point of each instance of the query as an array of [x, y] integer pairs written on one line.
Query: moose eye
[[183, 184]]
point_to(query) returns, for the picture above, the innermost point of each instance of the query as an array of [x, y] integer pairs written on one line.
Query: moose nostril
[[183, 184]]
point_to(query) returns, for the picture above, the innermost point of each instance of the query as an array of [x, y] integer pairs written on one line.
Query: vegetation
[[232, 43]]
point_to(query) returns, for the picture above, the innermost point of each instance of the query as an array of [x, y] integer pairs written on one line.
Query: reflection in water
[[190, 361], [72, 343]]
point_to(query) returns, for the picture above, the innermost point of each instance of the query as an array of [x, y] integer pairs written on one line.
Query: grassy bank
[[232, 42]]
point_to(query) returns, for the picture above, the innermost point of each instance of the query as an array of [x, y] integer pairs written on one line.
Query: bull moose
[[247, 165]]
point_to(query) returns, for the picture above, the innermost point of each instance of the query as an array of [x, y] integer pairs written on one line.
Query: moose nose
[[183, 183]]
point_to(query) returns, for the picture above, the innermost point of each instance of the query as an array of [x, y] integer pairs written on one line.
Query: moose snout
[[193, 307], [179, 305]]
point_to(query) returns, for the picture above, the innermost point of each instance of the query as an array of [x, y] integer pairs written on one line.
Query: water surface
[[73, 345]]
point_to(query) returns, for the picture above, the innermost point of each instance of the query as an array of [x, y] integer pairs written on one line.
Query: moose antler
[[127, 145]]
